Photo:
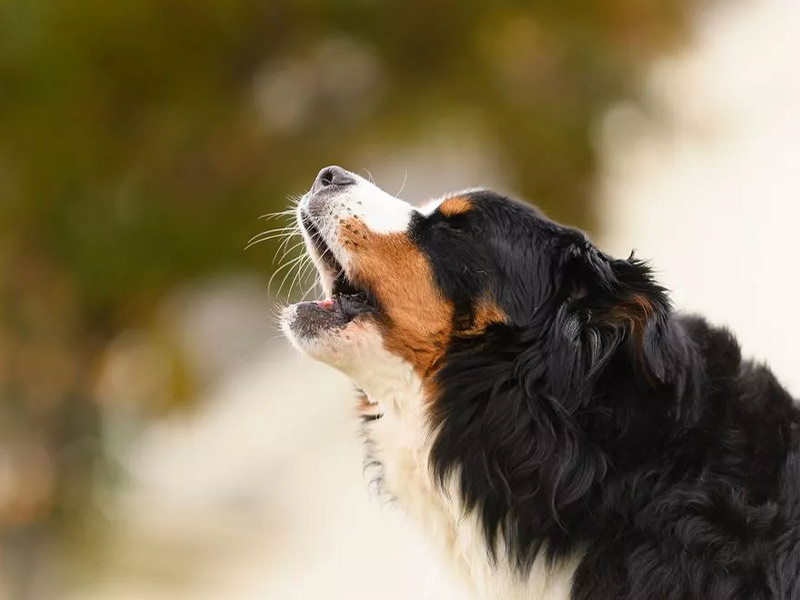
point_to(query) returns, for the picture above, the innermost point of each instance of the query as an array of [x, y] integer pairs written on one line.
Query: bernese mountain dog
[[541, 410]]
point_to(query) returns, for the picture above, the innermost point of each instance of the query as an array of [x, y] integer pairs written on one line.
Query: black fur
[[597, 420]]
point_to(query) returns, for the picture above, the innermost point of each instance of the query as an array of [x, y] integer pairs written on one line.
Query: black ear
[[612, 306]]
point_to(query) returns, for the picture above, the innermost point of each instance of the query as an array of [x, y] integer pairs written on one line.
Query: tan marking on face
[[420, 320], [455, 206], [486, 312], [636, 311]]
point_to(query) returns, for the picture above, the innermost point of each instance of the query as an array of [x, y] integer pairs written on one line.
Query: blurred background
[[157, 437]]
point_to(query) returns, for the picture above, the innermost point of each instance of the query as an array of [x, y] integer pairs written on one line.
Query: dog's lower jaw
[[400, 442]]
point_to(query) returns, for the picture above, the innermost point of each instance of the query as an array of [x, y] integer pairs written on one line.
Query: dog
[[540, 409]]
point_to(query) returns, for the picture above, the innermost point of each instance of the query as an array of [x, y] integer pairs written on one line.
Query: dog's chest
[[398, 446]]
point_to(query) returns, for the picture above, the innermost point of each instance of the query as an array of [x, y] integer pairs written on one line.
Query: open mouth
[[347, 299]]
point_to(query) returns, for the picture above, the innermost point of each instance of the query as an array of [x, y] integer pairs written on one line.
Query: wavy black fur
[[599, 421]]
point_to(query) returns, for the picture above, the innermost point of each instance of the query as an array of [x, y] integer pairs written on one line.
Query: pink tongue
[[326, 304]]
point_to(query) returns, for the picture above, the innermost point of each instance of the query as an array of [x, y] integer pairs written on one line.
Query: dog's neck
[[399, 445]]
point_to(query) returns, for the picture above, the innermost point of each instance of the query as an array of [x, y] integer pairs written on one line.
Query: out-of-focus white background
[[256, 492], [705, 178]]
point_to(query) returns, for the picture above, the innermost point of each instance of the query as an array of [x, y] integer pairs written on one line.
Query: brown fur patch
[[455, 206], [486, 313], [636, 312], [420, 319]]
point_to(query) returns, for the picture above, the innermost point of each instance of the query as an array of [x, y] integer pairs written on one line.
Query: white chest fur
[[400, 441]]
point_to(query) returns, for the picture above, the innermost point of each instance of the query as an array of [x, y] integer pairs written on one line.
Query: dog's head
[[471, 272], [525, 349]]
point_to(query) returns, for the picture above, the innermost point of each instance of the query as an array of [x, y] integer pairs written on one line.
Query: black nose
[[332, 176]]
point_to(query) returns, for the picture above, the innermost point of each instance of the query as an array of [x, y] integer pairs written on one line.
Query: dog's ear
[[614, 305]]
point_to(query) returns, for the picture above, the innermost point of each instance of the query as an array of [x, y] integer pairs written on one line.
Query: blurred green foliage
[[140, 139], [130, 154]]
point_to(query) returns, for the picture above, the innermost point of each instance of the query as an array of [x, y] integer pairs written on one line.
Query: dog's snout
[[333, 176]]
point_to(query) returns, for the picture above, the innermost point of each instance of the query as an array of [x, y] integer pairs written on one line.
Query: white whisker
[[275, 215], [297, 265], [264, 238], [281, 268], [302, 272], [286, 250], [272, 231], [402, 187]]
